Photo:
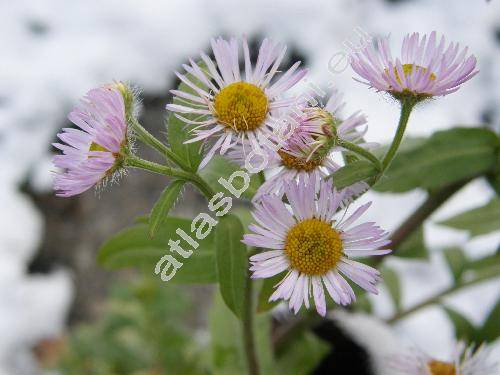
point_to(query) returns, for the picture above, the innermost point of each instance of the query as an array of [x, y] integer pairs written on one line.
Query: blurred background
[[53, 51]]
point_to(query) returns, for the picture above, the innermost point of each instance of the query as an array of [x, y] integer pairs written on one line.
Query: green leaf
[[263, 343], [446, 157], [464, 330], [178, 131], [228, 356], [133, 247], [227, 345], [221, 167], [353, 172], [491, 327], [481, 220], [302, 355], [456, 260], [414, 246], [391, 281], [491, 261], [263, 303], [232, 262], [161, 208]]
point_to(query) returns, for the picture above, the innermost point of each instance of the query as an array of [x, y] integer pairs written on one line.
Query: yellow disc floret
[[96, 147], [441, 368], [409, 68], [313, 247], [241, 106], [300, 164]]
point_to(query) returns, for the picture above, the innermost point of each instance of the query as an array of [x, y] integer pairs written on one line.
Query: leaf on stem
[[481, 220], [232, 262], [391, 281], [133, 247], [464, 330], [356, 171], [163, 205], [178, 131], [444, 158]]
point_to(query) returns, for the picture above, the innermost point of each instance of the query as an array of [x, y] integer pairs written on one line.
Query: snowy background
[[53, 51]]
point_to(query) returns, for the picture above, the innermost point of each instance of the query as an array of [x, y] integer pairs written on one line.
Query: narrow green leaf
[[228, 357], [481, 220], [178, 131], [464, 330], [133, 247], [232, 262], [162, 207], [391, 281], [491, 261], [356, 171], [491, 327], [302, 354], [221, 167], [263, 343], [446, 157], [457, 262], [414, 246], [263, 303]]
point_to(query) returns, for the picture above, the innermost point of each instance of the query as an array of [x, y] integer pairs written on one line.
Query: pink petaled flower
[[312, 246], [310, 146], [465, 361], [425, 68], [92, 153], [230, 107]]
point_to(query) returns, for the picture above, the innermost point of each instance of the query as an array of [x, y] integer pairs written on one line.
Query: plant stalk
[[437, 298], [362, 152], [406, 108], [136, 162], [248, 330], [155, 144]]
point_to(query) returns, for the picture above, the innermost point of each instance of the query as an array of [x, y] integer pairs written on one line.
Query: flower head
[[425, 68], [92, 153], [464, 362], [312, 246], [232, 107], [310, 146]]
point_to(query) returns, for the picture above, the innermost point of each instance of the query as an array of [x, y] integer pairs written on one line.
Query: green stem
[[136, 162], [406, 108], [154, 143], [435, 200], [437, 298], [248, 329], [361, 151], [202, 186]]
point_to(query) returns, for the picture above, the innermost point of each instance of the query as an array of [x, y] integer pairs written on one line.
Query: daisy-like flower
[[308, 152], [312, 246], [234, 107], [425, 68], [92, 153], [465, 362]]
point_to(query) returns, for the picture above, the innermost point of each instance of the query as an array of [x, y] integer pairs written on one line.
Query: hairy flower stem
[[438, 297], [247, 320], [133, 161], [362, 152], [435, 200], [155, 144], [407, 105]]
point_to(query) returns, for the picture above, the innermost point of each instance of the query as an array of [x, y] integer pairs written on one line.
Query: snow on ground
[[53, 51]]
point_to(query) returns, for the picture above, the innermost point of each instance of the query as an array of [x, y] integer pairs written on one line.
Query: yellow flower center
[[313, 247], [409, 68], [293, 162], [441, 368], [241, 106], [96, 147]]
